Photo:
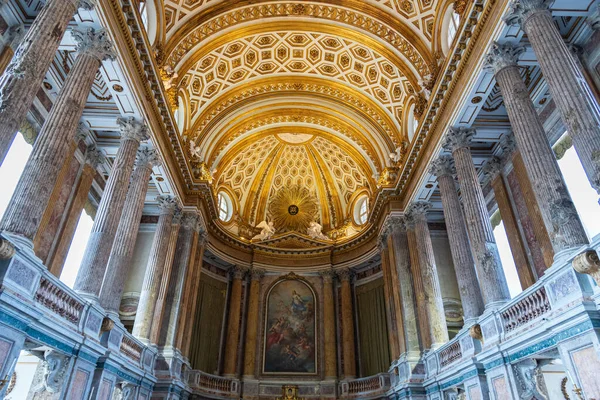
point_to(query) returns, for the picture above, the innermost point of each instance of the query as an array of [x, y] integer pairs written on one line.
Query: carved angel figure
[[267, 231], [195, 151], [314, 231], [396, 156]]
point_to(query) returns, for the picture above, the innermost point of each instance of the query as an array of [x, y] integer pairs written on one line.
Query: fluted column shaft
[[464, 266], [423, 322], [163, 284], [119, 262], [181, 262], [23, 77], [53, 145], [154, 269], [233, 322], [558, 211], [11, 38], [434, 305], [47, 231], [192, 278], [95, 259], [481, 235], [252, 322], [493, 173], [394, 288], [570, 91], [394, 341], [193, 305], [329, 325], [62, 242], [348, 345], [404, 285]]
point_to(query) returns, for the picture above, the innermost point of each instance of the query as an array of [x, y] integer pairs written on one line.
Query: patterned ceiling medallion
[[293, 208]]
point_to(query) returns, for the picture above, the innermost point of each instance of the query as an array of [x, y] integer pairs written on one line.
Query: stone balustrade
[[202, 382], [131, 348], [60, 301], [363, 387], [538, 320], [525, 310], [450, 354]]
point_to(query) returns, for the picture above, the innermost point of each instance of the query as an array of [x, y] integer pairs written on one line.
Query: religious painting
[[290, 331]]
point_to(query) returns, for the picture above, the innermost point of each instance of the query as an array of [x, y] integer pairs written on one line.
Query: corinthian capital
[[189, 220], [94, 43], [457, 138], [418, 210], [443, 165], [345, 275], [594, 18], [256, 274], [522, 10], [132, 129], [94, 157], [501, 56], [147, 158], [492, 168], [167, 204]]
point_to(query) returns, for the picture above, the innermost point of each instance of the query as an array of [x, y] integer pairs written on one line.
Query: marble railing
[[58, 300], [57, 317], [549, 311], [364, 387], [201, 382]]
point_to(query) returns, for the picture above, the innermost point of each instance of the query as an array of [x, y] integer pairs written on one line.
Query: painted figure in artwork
[[290, 345]]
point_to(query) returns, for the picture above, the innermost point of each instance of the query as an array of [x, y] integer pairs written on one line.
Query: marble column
[[434, 306], [192, 279], [80, 192], [154, 269], [348, 340], [50, 224], [233, 322], [172, 306], [419, 292], [119, 262], [464, 266], [481, 235], [24, 75], [558, 211], [395, 300], [384, 252], [404, 285], [32, 195], [160, 305], [95, 259], [11, 40], [492, 172], [256, 275], [571, 93], [329, 318], [193, 304]]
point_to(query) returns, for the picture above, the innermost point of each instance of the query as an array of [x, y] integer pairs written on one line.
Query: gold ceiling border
[[472, 26], [294, 116], [395, 37]]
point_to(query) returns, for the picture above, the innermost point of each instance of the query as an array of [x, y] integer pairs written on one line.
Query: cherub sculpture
[[268, 230], [314, 231]]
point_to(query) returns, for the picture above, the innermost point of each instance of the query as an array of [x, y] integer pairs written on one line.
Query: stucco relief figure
[[268, 230], [290, 344], [314, 230]]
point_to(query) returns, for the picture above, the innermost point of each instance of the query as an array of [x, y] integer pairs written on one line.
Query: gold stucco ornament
[[290, 392], [293, 208]]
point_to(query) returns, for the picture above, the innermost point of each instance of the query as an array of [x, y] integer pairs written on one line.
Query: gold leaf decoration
[[293, 208]]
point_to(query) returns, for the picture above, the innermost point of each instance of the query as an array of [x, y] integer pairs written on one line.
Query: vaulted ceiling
[[278, 94]]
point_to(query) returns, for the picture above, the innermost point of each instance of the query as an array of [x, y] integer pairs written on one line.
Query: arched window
[[180, 115], [149, 17], [361, 210], [225, 206], [450, 26], [411, 123]]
